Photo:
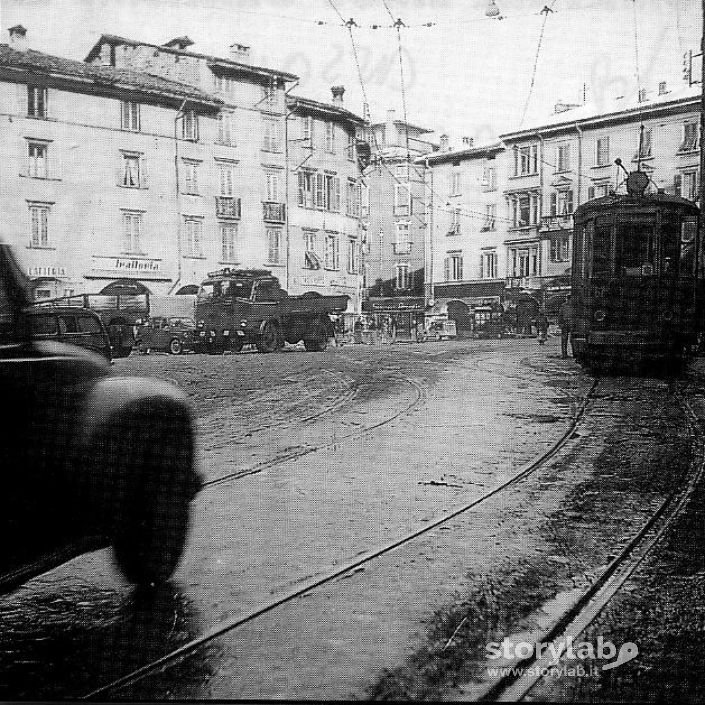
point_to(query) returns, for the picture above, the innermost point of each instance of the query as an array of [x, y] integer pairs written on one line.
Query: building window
[[690, 137], [272, 141], [37, 101], [351, 146], [270, 95], [455, 183], [602, 155], [39, 225], [274, 237], [563, 157], [330, 137], [490, 216], [489, 177], [224, 84], [311, 257], [526, 160], [226, 129], [402, 246], [306, 122], [402, 199], [524, 261], [365, 204], [598, 191], [353, 256], [37, 167], [488, 265], [453, 265], [190, 177], [272, 183], [524, 210], [228, 239], [132, 171], [327, 193], [354, 199], [189, 126], [332, 252], [643, 145], [454, 228], [307, 180], [226, 173], [403, 278], [560, 249], [686, 185], [561, 203], [130, 115], [131, 231], [193, 237]]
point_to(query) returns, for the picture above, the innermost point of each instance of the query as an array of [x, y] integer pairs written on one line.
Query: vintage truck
[[239, 306]]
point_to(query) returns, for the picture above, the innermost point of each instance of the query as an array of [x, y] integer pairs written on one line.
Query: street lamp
[[492, 10]]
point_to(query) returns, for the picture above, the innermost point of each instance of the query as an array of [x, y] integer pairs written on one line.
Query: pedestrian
[[565, 321], [542, 327], [357, 331]]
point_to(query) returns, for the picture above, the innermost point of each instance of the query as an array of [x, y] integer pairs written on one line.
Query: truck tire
[[236, 343], [318, 340], [269, 339], [175, 347], [156, 486]]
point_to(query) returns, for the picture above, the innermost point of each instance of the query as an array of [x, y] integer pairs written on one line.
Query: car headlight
[[669, 316], [600, 315]]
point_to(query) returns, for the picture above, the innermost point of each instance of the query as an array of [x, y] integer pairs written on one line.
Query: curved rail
[[182, 652]]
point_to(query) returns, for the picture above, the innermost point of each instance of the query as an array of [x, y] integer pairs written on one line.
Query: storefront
[[397, 318]]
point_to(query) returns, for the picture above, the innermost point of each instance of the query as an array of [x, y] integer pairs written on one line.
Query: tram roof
[[613, 201]]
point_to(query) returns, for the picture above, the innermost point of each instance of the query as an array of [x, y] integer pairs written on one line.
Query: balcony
[[274, 212], [556, 222], [227, 207]]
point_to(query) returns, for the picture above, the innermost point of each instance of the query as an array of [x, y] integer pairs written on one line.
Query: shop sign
[[126, 264], [36, 272]]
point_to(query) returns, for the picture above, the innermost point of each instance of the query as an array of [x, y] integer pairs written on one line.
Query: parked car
[[88, 459], [64, 324], [174, 334]]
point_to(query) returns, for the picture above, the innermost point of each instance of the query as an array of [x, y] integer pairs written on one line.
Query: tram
[[637, 279]]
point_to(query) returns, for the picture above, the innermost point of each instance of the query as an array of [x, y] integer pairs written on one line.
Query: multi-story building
[[543, 173], [88, 177], [232, 196], [466, 257], [325, 196], [394, 209]]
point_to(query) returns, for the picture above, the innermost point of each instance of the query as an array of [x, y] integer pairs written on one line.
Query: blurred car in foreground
[[174, 334], [88, 459]]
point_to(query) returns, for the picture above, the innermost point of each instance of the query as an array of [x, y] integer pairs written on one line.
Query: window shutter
[[554, 204], [482, 266], [320, 187], [446, 266], [21, 99], [336, 184], [591, 192], [54, 170], [677, 184], [569, 202], [120, 170]]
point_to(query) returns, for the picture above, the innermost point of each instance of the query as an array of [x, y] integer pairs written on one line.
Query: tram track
[[231, 624], [521, 676]]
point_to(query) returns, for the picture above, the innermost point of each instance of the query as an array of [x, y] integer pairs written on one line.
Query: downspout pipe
[[179, 114], [287, 115]]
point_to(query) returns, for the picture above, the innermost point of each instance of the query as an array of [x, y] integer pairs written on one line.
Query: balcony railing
[[556, 222], [227, 207], [274, 212]]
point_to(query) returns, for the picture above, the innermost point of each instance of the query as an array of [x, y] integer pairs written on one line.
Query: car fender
[[111, 405]]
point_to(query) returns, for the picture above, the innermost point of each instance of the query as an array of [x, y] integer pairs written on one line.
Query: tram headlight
[[669, 316], [600, 315]]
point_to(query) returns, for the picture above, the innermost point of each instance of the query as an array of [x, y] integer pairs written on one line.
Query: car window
[[67, 324], [43, 324], [88, 324]]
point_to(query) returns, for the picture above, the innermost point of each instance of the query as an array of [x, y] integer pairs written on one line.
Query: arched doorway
[[460, 313], [188, 290], [125, 287]]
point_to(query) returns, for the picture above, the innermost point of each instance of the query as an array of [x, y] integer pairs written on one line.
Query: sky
[[466, 75]]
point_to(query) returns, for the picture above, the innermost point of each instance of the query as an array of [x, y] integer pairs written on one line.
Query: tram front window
[[636, 250]]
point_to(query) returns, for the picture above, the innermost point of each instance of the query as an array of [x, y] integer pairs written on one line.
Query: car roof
[[40, 308]]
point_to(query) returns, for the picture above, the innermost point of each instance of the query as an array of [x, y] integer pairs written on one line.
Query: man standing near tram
[[565, 321]]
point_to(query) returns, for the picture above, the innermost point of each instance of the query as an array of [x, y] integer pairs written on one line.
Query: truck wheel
[[318, 340], [236, 344], [175, 347], [156, 486], [268, 340]]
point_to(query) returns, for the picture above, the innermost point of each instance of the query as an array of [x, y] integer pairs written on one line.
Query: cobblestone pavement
[[332, 454]]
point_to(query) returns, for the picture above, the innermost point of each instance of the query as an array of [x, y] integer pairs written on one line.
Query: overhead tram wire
[[638, 85]]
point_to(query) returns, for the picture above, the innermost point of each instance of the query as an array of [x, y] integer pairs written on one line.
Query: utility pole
[[702, 132]]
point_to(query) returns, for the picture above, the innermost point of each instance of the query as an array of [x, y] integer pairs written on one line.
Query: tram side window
[[670, 247], [601, 244], [687, 255]]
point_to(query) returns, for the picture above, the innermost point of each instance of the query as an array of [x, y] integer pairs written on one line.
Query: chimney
[[18, 38], [180, 43], [662, 90], [337, 92], [390, 130], [643, 96], [444, 143], [468, 141], [240, 53]]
